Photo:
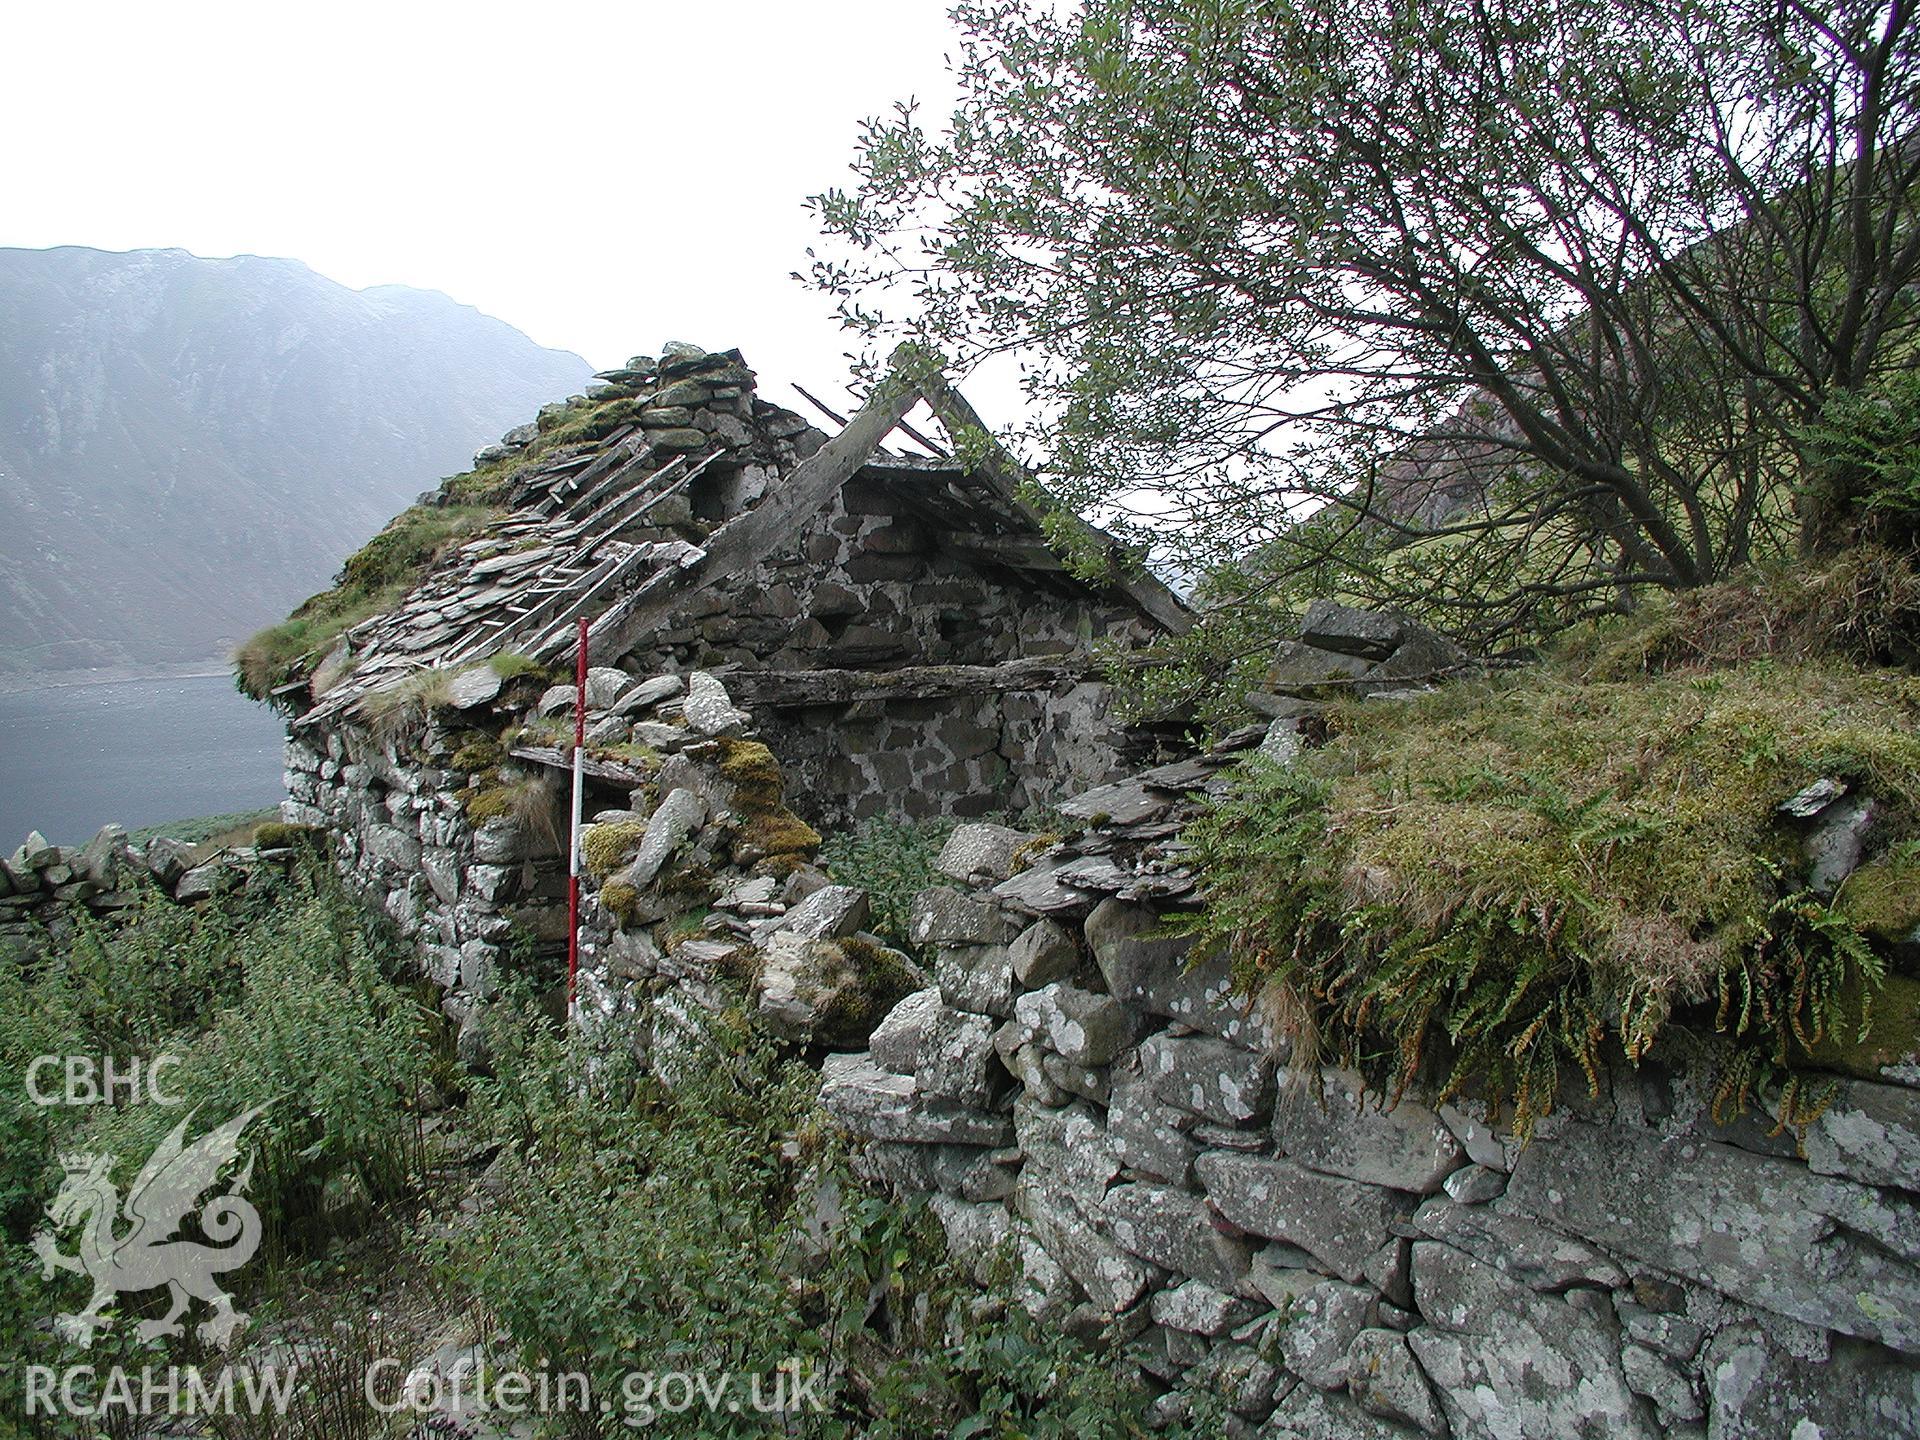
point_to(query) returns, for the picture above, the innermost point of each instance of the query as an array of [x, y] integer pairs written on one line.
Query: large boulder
[[679, 815], [957, 1058], [1765, 1230], [830, 913], [1369, 634]]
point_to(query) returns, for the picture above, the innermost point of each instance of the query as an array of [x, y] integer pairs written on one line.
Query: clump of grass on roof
[[399, 708], [372, 580], [579, 424], [1491, 888]]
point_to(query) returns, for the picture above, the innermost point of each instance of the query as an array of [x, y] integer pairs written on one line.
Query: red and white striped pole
[[573, 834]]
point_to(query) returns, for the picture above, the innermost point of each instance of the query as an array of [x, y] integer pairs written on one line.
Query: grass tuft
[[369, 583], [1488, 887]]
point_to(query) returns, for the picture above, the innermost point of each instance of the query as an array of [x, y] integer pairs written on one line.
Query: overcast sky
[[604, 176]]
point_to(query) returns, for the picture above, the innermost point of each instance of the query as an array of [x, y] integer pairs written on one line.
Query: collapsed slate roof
[[557, 554]]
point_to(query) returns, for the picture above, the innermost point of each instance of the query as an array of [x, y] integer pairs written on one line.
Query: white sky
[[605, 176]]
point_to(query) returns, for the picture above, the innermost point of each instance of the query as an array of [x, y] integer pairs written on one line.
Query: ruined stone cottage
[[783, 623], [898, 623]]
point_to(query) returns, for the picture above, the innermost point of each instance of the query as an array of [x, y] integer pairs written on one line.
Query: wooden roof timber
[[798, 689], [1007, 476], [758, 534]]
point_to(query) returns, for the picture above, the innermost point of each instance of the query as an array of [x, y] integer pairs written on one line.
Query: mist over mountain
[[189, 447]]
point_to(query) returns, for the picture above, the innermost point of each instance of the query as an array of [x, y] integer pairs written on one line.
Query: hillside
[[188, 446]]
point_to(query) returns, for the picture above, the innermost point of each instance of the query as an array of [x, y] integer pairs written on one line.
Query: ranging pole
[[573, 840]]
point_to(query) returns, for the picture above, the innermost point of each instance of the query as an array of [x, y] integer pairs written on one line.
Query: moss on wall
[[1490, 884]]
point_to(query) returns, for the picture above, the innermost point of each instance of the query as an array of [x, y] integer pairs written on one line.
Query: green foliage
[[1485, 887], [200, 829], [404, 706], [604, 847], [276, 996], [578, 424], [1384, 265], [877, 981], [510, 665], [1862, 605], [321, 1036], [1882, 897], [638, 1226], [477, 751], [1869, 442], [527, 800], [892, 860], [276, 835]]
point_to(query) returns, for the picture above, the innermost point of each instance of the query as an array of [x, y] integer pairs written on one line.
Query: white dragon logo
[[147, 1256]]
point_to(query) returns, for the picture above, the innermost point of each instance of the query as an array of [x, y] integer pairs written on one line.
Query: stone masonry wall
[[867, 586], [44, 886], [1069, 1087]]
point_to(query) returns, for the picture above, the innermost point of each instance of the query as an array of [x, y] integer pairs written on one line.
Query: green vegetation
[[205, 828], [707, 1226], [880, 982], [582, 423], [892, 860], [476, 752], [1494, 312], [606, 847], [771, 831], [528, 800], [510, 665], [371, 581], [397, 710], [282, 997], [712, 1256], [1882, 897], [1489, 887], [1867, 444], [276, 835]]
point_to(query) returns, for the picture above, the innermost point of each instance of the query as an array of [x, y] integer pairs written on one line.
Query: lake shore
[[113, 675]]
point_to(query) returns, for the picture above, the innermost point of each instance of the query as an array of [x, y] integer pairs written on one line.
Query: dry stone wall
[[1071, 1089], [1140, 1147], [43, 886], [1075, 1094]]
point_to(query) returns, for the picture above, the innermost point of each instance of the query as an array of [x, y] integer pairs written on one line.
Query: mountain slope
[[188, 447]]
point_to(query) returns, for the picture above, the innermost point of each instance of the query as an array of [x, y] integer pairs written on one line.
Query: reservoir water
[[138, 752]]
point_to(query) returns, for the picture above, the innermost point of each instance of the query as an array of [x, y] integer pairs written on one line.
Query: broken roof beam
[[595, 767], [1016, 552], [1005, 475], [753, 536], [797, 689]]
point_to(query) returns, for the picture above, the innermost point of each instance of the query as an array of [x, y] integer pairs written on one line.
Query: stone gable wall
[[867, 587]]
